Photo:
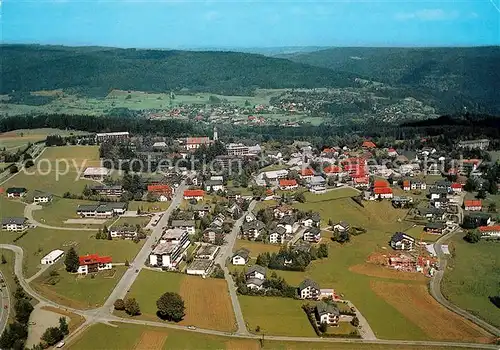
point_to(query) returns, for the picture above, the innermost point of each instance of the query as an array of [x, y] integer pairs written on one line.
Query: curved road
[[28, 213], [100, 315], [435, 288]]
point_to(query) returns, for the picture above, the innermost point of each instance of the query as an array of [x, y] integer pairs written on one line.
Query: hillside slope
[[455, 77], [95, 71]]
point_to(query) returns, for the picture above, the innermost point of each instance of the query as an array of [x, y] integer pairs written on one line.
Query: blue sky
[[271, 23]]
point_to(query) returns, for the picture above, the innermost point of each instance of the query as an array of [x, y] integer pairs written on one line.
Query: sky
[[250, 24]]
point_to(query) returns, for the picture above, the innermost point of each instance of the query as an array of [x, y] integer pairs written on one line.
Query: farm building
[[214, 185], [164, 192], [52, 257]]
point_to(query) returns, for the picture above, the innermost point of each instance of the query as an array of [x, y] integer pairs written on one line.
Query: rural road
[[138, 263], [28, 213], [4, 313], [96, 316], [226, 252], [435, 288]]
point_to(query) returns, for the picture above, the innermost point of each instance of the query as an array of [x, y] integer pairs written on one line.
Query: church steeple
[[216, 135]]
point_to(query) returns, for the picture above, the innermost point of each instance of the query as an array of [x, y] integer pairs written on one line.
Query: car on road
[[60, 344], [191, 327]]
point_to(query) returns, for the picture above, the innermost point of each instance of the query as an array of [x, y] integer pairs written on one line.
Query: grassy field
[[256, 248], [10, 207], [132, 337], [269, 313], [18, 138], [330, 195], [40, 241], [78, 291], [51, 173], [60, 210], [196, 292], [473, 275], [151, 207]]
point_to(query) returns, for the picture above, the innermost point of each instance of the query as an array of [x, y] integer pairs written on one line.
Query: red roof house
[[406, 185], [383, 192], [368, 144], [332, 169], [94, 263], [490, 230], [288, 184], [165, 189], [380, 183], [473, 205], [308, 172], [456, 187], [196, 194]]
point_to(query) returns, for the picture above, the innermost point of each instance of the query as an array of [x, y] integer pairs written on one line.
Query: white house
[[42, 197], [309, 289], [14, 224], [171, 248], [188, 225], [312, 234], [327, 313], [214, 185], [341, 226], [52, 257], [240, 257], [257, 272], [402, 241], [278, 235]]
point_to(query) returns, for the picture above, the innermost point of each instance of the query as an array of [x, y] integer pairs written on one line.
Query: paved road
[[96, 315], [226, 252], [4, 313], [138, 263], [435, 288], [28, 213], [365, 331]]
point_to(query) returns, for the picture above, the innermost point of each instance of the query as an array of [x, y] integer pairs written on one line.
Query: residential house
[[256, 271], [312, 234], [164, 192], [234, 210], [342, 226], [255, 283], [418, 185], [252, 229], [240, 257], [437, 193], [473, 205], [16, 224], [333, 170], [52, 257], [278, 235], [432, 213], [406, 185], [361, 182], [327, 313], [282, 210], [201, 209], [207, 251], [312, 221], [383, 192], [434, 227], [41, 197], [107, 191], [490, 231], [192, 143], [172, 247], [288, 222], [456, 187], [211, 233], [317, 184], [402, 241], [285, 184], [443, 184], [101, 210], [471, 144], [214, 185], [368, 145], [125, 232], [194, 194], [16, 192], [391, 152], [200, 267], [309, 289], [94, 263], [306, 173], [188, 225]]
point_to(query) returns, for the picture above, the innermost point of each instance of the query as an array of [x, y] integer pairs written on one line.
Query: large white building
[[237, 149], [14, 224], [108, 136], [171, 248], [52, 257]]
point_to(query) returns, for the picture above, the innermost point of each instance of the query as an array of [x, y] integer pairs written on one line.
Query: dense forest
[[450, 78], [96, 71]]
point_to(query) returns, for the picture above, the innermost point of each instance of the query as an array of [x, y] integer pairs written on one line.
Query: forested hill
[[467, 76], [94, 71]]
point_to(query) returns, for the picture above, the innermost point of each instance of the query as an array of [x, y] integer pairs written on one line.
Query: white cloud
[[427, 15]]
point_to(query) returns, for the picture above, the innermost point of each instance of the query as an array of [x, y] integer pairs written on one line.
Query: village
[[260, 218]]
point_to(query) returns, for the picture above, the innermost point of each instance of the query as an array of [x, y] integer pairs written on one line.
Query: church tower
[[216, 136]]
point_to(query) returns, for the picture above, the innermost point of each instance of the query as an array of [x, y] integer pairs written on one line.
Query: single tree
[[323, 327], [355, 321], [119, 304], [4, 261], [63, 326], [472, 236], [492, 208], [98, 234], [132, 307], [52, 336], [72, 261], [171, 307]]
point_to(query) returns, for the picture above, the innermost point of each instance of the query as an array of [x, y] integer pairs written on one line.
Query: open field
[[264, 204], [151, 340], [11, 207], [472, 277], [18, 138], [256, 248], [127, 336], [51, 174], [330, 195], [40, 241], [151, 207], [132, 221], [207, 301], [59, 210], [76, 291], [435, 321], [269, 314], [385, 272]]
